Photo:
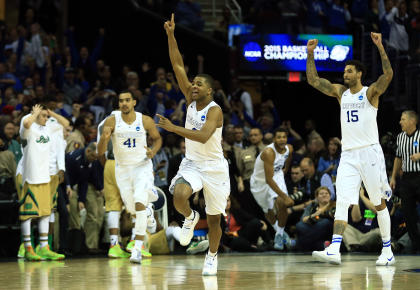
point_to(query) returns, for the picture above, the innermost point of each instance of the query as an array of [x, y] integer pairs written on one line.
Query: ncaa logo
[[138, 128], [203, 118], [416, 143], [360, 97]]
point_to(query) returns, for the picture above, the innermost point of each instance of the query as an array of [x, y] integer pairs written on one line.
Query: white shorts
[[212, 177], [365, 164], [136, 184], [263, 193]]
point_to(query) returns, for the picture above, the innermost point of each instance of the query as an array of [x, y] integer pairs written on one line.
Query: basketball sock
[[43, 225], [138, 244], [43, 241], [26, 232], [141, 223], [133, 230], [191, 216], [279, 230], [211, 254], [335, 244], [114, 239], [384, 222]]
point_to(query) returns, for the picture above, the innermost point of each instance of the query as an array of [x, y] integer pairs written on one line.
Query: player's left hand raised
[[376, 38], [164, 123]]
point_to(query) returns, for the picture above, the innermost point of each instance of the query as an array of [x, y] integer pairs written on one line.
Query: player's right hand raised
[[170, 25], [312, 43], [107, 131]]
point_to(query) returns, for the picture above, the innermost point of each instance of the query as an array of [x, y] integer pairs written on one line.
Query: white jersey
[[36, 152], [358, 120], [129, 141], [196, 151], [279, 161], [56, 147]]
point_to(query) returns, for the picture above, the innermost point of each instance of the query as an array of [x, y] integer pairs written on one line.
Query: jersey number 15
[[352, 116]]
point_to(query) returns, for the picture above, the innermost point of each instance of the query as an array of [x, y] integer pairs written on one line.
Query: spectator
[[9, 134], [239, 94], [314, 179], [316, 224], [242, 230], [77, 139], [338, 17], [359, 9], [362, 233], [330, 159], [316, 13], [85, 173], [7, 171], [296, 189], [398, 21], [299, 152], [72, 90], [188, 13], [292, 134], [371, 21], [239, 137]]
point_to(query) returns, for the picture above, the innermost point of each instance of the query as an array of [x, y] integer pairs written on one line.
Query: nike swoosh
[[387, 258], [328, 254]]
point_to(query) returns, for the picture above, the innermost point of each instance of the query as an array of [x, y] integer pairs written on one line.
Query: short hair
[[80, 121], [322, 188], [309, 161], [360, 67], [208, 78], [256, 128], [280, 130], [294, 166], [412, 115], [126, 92], [238, 127]]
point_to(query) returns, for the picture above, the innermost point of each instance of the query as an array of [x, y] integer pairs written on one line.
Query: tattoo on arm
[[322, 85]]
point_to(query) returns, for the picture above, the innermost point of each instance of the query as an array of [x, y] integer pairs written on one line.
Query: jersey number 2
[[129, 143], [352, 116]]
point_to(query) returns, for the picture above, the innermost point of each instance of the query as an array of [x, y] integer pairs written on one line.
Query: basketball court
[[236, 271]]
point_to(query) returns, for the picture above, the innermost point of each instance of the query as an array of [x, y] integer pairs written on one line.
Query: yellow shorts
[[113, 201], [35, 201], [19, 184], [54, 193]]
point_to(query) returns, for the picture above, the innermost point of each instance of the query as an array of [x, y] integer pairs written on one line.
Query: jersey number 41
[[130, 142]]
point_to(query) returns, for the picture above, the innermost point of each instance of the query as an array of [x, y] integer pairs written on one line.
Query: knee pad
[[113, 220], [141, 223], [341, 211]]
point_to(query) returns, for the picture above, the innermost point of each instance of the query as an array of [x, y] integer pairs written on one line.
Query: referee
[[408, 159]]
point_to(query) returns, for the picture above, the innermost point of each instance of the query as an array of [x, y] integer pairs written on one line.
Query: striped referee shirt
[[407, 146]]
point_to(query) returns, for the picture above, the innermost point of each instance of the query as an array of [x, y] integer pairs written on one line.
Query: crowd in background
[[76, 82]]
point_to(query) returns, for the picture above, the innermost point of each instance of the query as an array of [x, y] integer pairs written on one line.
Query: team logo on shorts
[[388, 194], [203, 118], [138, 128], [360, 97]]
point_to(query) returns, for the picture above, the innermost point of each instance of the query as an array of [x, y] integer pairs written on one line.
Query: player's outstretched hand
[[149, 152], [310, 46], [376, 38], [170, 25], [164, 123]]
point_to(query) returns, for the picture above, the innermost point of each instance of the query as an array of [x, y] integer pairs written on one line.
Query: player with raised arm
[[204, 166], [362, 158], [133, 165]]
